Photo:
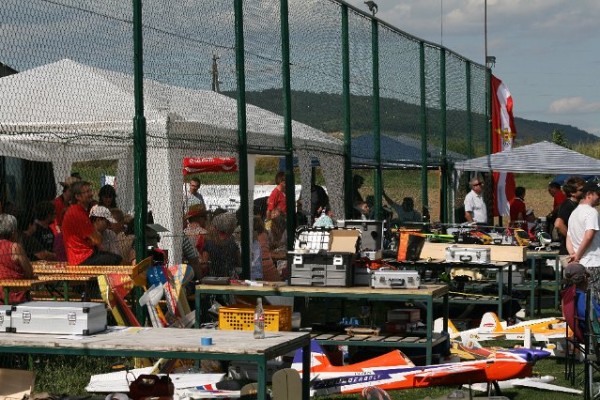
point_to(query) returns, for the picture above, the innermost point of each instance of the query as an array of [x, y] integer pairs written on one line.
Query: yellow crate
[[240, 318]]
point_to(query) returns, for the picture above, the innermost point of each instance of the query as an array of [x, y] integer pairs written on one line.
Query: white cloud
[[573, 105]]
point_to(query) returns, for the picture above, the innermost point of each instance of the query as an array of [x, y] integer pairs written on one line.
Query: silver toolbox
[[392, 279], [330, 269], [5, 318], [478, 255], [68, 318]]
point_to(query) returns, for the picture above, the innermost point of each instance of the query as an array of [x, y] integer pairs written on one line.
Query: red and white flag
[[503, 136]]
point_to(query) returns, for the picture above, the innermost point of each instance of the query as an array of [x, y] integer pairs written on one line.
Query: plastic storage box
[[241, 318]]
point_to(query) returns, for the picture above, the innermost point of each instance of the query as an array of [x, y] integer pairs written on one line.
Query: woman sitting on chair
[[14, 263]]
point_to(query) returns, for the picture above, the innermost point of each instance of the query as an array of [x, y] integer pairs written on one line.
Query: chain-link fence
[[343, 93]]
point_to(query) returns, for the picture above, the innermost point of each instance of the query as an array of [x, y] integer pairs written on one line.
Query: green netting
[[68, 101]]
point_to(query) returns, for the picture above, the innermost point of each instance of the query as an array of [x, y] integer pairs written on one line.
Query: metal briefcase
[[68, 318], [391, 279], [468, 255], [5, 318]]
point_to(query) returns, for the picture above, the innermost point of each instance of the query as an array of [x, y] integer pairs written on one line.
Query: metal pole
[[423, 125], [242, 137], [139, 136], [346, 107], [377, 184], [443, 129], [140, 176], [290, 190]]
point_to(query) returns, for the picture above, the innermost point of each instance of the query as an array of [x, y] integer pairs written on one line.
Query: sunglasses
[[478, 184]]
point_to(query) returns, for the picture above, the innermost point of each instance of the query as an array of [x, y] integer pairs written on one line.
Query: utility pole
[[215, 74]]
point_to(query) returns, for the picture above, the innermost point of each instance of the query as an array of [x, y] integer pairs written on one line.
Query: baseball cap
[[102, 212], [69, 181], [575, 272], [591, 187]]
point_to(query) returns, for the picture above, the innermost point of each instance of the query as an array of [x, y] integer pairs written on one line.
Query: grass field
[[70, 374]]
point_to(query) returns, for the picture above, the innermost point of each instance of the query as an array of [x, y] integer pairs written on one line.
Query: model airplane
[[395, 371], [491, 328]]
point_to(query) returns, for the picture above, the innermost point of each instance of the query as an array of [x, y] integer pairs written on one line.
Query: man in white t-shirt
[[583, 239], [475, 208]]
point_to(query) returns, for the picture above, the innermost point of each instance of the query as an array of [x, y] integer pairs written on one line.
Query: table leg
[[6, 296], [539, 294], [262, 378], [429, 350], [198, 312], [532, 289], [557, 283], [65, 290], [510, 291], [306, 371], [500, 290]]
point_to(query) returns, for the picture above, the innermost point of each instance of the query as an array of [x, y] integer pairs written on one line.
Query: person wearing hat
[[102, 219], [63, 201], [573, 189], [221, 252], [583, 240], [195, 235]]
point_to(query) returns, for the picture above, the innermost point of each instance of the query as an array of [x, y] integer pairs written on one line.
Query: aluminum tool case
[[68, 318], [5, 318], [468, 255], [392, 279]]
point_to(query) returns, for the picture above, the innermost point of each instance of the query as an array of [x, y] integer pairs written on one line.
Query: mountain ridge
[[324, 111]]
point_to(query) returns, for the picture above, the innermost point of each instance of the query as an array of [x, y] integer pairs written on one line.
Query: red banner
[[503, 136], [193, 165]]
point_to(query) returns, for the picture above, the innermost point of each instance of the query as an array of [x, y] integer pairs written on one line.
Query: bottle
[[259, 320]]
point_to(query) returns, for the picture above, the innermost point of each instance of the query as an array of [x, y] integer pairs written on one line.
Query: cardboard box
[[404, 315], [343, 240], [371, 232], [16, 383]]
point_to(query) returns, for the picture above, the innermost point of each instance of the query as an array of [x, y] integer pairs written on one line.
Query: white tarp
[[538, 158], [65, 112]]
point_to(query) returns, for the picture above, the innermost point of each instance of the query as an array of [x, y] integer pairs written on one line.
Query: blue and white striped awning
[[538, 158]]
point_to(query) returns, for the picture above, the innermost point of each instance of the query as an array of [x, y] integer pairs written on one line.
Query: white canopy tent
[[65, 112], [537, 158]]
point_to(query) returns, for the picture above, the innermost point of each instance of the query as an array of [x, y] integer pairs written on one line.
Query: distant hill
[[324, 111]]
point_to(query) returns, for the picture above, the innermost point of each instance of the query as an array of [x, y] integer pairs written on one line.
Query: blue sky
[[547, 51]]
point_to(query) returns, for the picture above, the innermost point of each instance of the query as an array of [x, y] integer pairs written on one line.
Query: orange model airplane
[[395, 371]]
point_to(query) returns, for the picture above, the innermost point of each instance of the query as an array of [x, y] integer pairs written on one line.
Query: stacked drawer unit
[[325, 267]]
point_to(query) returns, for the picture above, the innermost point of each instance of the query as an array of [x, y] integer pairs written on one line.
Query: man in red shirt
[[80, 237], [518, 209], [557, 194], [277, 199]]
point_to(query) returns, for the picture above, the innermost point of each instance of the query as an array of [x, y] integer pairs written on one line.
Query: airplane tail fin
[[319, 359], [438, 326], [490, 323]]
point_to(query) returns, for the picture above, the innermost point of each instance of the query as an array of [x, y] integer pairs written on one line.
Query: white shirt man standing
[[475, 208], [583, 240]]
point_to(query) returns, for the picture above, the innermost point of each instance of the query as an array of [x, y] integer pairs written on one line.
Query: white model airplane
[[491, 328]]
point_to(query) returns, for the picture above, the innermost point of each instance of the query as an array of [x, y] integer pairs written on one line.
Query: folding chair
[[574, 336]]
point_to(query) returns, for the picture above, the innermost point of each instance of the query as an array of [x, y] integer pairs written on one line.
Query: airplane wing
[[546, 386]]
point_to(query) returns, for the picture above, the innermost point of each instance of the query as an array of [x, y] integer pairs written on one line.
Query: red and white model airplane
[[395, 371]]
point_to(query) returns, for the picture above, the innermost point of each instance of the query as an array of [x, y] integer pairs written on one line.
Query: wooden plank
[[516, 254]]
